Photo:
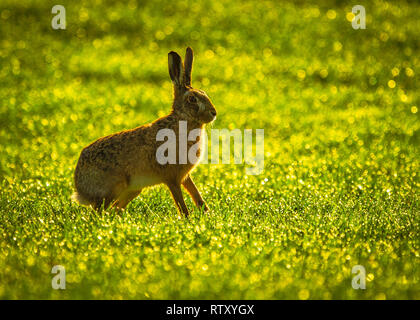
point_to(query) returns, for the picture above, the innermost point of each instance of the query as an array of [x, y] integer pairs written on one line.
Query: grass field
[[340, 185]]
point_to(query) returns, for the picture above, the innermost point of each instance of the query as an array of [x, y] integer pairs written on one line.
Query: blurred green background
[[340, 112]]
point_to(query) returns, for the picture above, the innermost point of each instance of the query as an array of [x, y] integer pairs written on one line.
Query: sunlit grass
[[340, 187]]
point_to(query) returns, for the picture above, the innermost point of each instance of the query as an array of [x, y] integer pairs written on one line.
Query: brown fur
[[114, 169]]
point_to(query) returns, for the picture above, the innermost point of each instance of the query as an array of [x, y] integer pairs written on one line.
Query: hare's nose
[[213, 113]]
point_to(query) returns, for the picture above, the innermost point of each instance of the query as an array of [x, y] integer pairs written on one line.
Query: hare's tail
[[80, 199]]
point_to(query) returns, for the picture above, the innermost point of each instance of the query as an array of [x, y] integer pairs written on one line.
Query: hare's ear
[[176, 69], [188, 66]]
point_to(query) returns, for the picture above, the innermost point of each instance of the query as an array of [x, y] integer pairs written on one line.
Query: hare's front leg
[[178, 198], [190, 186]]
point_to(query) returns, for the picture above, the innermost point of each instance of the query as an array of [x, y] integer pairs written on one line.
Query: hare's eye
[[192, 99]]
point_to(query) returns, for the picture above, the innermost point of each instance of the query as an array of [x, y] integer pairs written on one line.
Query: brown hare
[[114, 169]]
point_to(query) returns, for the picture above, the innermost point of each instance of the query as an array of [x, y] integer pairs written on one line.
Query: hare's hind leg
[[102, 203], [125, 197], [116, 189]]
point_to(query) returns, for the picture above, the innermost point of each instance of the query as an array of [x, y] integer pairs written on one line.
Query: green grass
[[340, 185]]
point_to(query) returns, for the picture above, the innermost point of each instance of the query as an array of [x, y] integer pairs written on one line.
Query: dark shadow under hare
[[114, 169]]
